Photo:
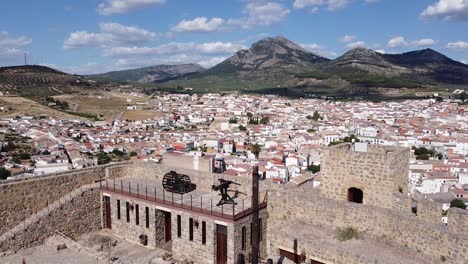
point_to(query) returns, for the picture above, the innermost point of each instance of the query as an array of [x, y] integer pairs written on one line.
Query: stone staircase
[[36, 217]]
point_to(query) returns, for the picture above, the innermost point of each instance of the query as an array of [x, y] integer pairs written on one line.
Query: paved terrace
[[195, 201]]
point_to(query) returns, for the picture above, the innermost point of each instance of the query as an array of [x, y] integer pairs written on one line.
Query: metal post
[[164, 197], [201, 204], [121, 186], [138, 190], [255, 224], [129, 189], [114, 184], [233, 210], [100, 182], [146, 192], [155, 198], [243, 210], [107, 184]]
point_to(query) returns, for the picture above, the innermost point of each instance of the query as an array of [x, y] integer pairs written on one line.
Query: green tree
[[4, 173], [242, 128], [133, 154], [423, 157], [351, 138], [458, 204], [314, 168], [256, 149], [16, 160], [117, 152], [316, 116], [103, 158]]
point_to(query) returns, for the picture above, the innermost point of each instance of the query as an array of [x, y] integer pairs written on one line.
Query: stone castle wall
[[379, 173], [23, 197], [78, 216], [203, 180], [405, 230]]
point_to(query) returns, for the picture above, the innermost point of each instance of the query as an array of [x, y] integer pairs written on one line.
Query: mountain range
[[279, 62], [268, 65]]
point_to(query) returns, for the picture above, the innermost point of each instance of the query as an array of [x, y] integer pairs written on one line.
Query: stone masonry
[[78, 216], [379, 173]]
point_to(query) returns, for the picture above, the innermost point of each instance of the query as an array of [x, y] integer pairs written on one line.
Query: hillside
[[368, 68], [34, 81], [152, 74]]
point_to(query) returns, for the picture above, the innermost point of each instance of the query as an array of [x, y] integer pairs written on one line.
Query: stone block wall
[[429, 211], [246, 222], [379, 173], [405, 230], [195, 250], [21, 198], [74, 218], [458, 221], [130, 230]]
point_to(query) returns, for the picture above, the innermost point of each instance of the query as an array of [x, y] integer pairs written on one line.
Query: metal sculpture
[[223, 189], [177, 183]]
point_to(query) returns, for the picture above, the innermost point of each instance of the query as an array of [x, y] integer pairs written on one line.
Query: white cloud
[[314, 5], [464, 61], [208, 63], [112, 34], [447, 10], [131, 34], [199, 24], [423, 42], [458, 46], [11, 48], [397, 42], [13, 42], [380, 51], [110, 7], [219, 47], [261, 13], [356, 44], [347, 38], [319, 50], [209, 48]]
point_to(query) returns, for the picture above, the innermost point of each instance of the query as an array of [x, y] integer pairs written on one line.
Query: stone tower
[[368, 174]]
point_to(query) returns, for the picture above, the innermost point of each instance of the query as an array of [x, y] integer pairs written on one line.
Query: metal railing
[[183, 201]]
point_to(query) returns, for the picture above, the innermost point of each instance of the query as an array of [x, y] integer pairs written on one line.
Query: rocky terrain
[[266, 54]]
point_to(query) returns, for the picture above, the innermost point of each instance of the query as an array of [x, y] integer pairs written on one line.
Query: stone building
[[190, 225], [300, 221]]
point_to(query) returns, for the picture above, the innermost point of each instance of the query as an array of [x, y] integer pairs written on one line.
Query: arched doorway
[[355, 195]]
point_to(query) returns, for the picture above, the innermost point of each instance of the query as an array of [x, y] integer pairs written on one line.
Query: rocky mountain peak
[[270, 52]]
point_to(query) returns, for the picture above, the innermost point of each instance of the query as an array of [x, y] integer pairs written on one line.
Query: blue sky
[[91, 36]]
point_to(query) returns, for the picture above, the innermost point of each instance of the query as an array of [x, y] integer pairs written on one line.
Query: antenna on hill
[[25, 59]]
